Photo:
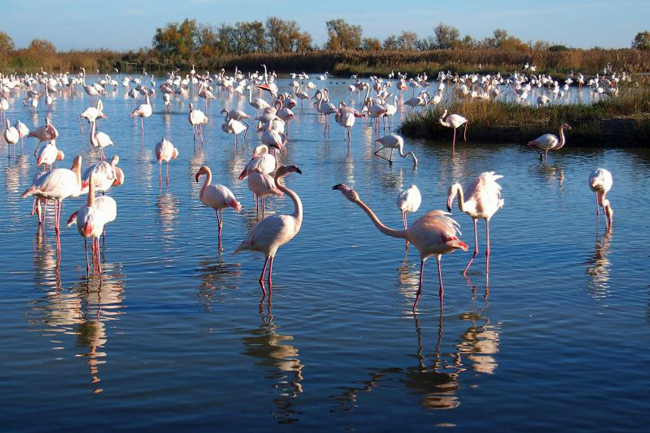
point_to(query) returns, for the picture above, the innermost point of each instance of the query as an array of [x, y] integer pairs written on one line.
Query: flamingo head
[[609, 213], [284, 170], [60, 155], [119, 177], [115, 160], [175, 153], [76, 164], [203, 170], [348, 192], [451, 195], [566, 126], [262, 149], [223, 110]]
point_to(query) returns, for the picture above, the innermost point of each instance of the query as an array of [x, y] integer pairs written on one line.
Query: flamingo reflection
[[598, 267]]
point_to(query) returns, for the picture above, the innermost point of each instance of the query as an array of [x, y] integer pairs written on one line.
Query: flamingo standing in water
[[142, 111], [433, 234], [548, 142], [197, 119], [91, 220], [57, 185], [48, 154], [11, 136], [45, 133], [261, 160], [408, 200], [600, 182], [276, 230], [454, 121], [394, 141], [218, 197], [235, 127], [99, 139], [483, 201], [23, 131], [105, 175], [91, 114], [165, 151]]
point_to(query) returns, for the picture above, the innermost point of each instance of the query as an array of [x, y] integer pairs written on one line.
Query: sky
[[130, 24]]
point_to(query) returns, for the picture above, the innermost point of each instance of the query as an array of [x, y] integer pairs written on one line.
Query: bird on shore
[[276, 230], [600, 182], [218, 197], [407, 201], [547, 142], [454, 121], [392, 142], [480, 200], [165, 151], [433, 234]]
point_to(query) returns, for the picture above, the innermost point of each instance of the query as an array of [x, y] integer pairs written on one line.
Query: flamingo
[[197, 119], [276, 230], [23, 131], [11, 136], [548, 142], [105, 175], [454, 121], [142, 111], [262, 184], [408, 200], [433, 234], [218, 197], [261, 160], [90, 90], [394, 141], [600, 182], [91, 220], [483, 200], [57, 184], [236, 127], [257, 103], [418, 101], [45, 133], [99, 139], [346, 117], [165, 151], [91, 114], [48, 154]]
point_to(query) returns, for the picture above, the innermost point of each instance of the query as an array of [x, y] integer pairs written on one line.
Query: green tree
[[446, 36], [177, 40], [343, 36], [286, 35], [641, 41], [6, 44]]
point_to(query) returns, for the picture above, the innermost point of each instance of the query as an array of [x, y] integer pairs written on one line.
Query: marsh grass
[[623, 120]]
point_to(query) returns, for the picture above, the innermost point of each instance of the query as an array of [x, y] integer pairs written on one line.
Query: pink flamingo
[[276, 230], [600, 182], [165, 151], [48, 154], [433, 234], [483, 201], [142, 111], [547, 142], [11, 136], [408, 201], [454, 121], [197, 119], [57, 185], [218, 197], [45, 133], [99, 139], [105, 175], [262, 184]]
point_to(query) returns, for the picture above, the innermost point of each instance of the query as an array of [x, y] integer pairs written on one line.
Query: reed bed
[[622, 120]]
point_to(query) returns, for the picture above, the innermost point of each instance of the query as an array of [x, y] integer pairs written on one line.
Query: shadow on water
[[272, 351]]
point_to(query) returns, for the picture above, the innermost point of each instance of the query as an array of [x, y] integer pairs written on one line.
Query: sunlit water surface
[[174, 334]]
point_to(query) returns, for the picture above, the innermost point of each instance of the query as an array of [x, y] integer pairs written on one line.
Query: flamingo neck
[[458, 190], [297, 204], [562, 138], [91, 192], [208, 181], [402, 234], [444, 122]]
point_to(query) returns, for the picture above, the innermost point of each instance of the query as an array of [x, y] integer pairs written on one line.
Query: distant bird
[[480, 200], [408, 200], [11, 136], [142, 111], [454, 121], [600, 182], [418, 101], [91, 220], [433, 234], [394, 141], [57, 185], [218, 197], [548, 142], [45, 133], [165, 151], [99, 139], [48, 154], [197, 119], [276, 230]]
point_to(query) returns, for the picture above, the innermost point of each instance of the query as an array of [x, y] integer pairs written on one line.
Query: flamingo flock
[[433, 234]]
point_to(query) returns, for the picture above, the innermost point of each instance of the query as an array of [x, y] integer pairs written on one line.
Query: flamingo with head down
[[218, 197]]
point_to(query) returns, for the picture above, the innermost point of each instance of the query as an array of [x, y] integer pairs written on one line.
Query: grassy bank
[[341, 63], [620, 121]]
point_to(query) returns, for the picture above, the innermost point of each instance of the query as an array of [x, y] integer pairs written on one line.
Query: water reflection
[[598, 267], [280, 360], [215, 275], [435, 379]]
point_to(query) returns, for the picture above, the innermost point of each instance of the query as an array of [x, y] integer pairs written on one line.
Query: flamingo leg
[[475, 246], [219, 223], [159, 175], [465, 132], [453, 144], [266, 260], [167, 174], [87, 263], [271, 277], [405, 227], [417, 295], [487, 248], [441, 292], [99, 262], [597, 208]]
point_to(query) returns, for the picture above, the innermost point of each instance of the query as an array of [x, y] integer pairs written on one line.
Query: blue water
[[176, 335]]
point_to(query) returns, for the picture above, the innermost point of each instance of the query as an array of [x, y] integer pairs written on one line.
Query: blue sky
[[122, 24]]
